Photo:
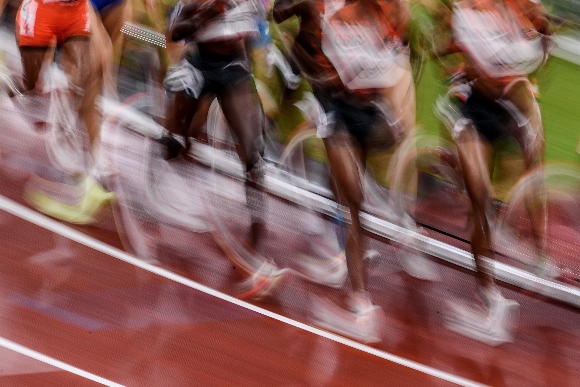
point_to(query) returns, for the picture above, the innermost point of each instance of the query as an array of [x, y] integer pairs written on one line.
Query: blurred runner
[[65, 25], [502, 42], [355, 57], [218, 65]]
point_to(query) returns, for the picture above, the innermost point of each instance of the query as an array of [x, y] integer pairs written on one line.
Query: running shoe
[[102, 169], [415, 262], [326, 265], [260, 283], [328, 271], [360, 322], [95, 198], [173, 198], [83, 212], [492, 322]]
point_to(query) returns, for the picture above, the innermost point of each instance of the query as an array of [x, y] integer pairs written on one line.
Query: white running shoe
[[492, 324], [415, 262], [102, 169], [361, 323], [327, 264], [417, 265], [329, 271], [171, 198], [260, 283]]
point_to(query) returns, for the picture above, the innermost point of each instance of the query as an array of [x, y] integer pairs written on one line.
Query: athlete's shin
[[474, 156], [256, 201], [530, 135], [354, 256], [536, 203], [481, 248]]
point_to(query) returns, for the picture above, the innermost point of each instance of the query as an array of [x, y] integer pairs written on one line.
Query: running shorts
[[38, 22], [490, 119], [199, 74], [100, 5], [358, 120]]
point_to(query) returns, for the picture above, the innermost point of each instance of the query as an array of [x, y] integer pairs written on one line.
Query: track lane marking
[[68, 232], [54, 362]]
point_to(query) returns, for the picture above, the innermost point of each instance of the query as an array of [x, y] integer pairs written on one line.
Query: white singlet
[[239, 21], [362, 58], [496, 42]]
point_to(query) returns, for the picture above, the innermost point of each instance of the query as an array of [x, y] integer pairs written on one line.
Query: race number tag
[[28, 17]]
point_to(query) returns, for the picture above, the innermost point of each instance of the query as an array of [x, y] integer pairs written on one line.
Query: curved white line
[[55, 363], [77, 236]]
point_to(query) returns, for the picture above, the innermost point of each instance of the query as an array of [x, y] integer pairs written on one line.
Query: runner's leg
[[345, 164], [242, 112], [530, 135], [474, 154]]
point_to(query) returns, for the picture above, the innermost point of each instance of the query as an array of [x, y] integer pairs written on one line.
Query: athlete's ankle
[[171, 147]]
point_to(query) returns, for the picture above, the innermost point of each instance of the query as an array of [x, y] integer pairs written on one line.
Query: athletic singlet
[[239, 21], [500, 43], [366, 55]]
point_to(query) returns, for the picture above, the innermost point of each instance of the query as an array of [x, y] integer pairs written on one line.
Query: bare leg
[[32, 60], [113, 21], [474, 155], [83, 80], [242, 111], [345, 164], [83, 75], [401, 99], [530, 135], [199, 119], [179, 115], [102, 49], [2, 6]]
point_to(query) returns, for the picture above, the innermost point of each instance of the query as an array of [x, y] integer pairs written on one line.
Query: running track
[[77, 310]]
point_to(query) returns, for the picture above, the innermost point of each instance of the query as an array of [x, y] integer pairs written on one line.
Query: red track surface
[[125, 324]]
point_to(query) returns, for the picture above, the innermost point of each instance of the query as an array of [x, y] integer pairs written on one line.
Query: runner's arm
[[194, 16], [538, 15], [285, 9]]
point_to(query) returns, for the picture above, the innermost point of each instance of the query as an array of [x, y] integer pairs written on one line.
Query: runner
[[66, 25], [502, 41], [354, 57], [218, 65]]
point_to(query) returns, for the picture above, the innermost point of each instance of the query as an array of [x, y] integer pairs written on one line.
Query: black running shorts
[[490, 119]]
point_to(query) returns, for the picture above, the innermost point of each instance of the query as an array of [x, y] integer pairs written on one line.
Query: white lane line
[[55, 363], [47, 223]]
